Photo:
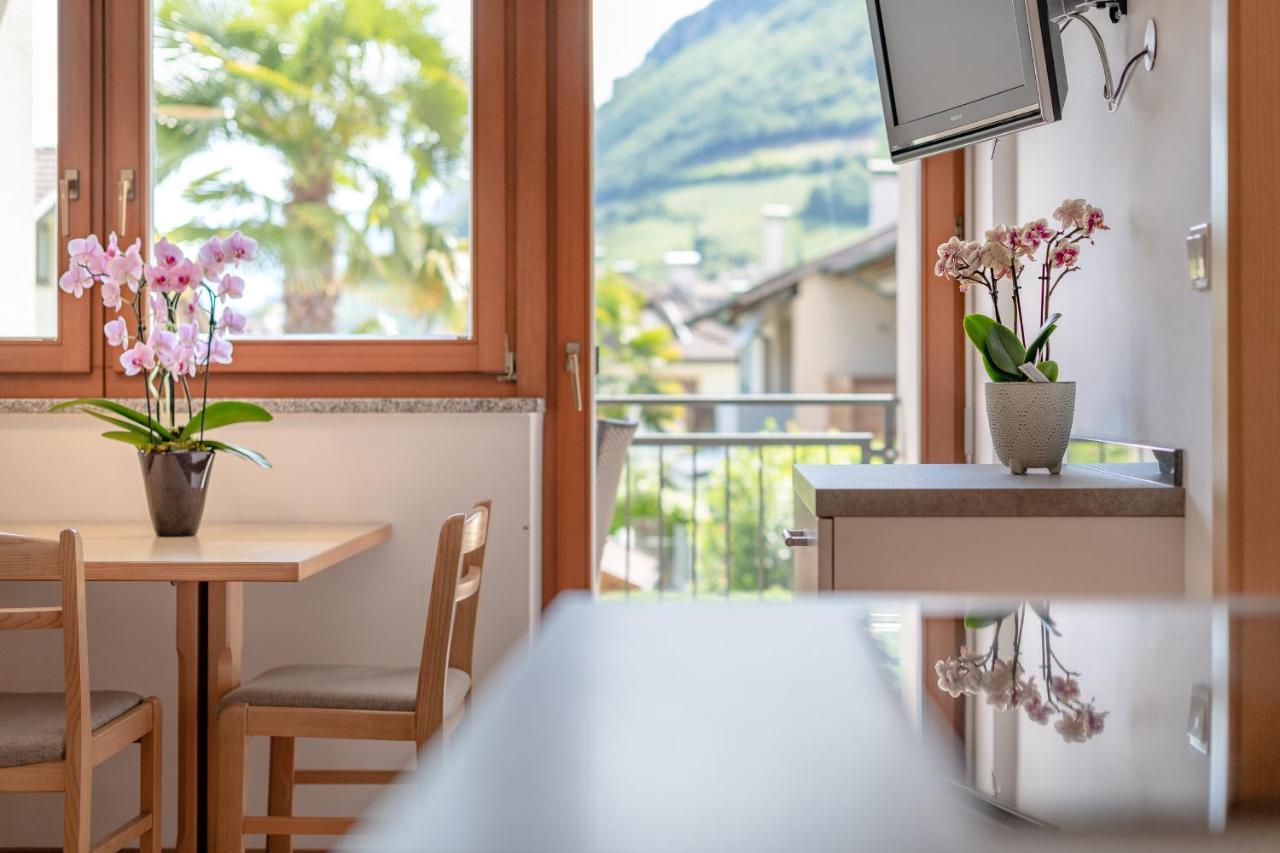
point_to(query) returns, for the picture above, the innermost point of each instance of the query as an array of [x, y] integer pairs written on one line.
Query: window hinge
[[508, 360]]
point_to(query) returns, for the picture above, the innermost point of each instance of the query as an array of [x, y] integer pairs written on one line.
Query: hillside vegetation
[[744, 103]]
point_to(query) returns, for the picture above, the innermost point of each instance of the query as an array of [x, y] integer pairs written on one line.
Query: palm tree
[[335, 89]]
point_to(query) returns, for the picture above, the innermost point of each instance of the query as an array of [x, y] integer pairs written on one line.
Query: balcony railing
[[707, 490]]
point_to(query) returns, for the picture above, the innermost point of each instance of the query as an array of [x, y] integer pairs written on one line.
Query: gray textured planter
[[1031, 423]]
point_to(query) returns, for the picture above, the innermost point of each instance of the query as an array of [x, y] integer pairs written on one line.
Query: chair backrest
[[613, 441], [451, 613], [62, 562]]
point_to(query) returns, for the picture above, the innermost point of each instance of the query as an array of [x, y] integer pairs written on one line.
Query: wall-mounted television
[[956, 72]]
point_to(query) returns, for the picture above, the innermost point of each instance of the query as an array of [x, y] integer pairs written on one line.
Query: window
[[40, 332], [356, 140], [339, 135]]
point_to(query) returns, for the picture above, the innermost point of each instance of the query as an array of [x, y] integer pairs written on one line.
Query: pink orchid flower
[[241, 248], [189, 335], [1072, 213], [87, 252], [75, 280], [162, 279], [137, 358], [166, 254], [187, 274], [117, 332], [127, 267], [165, 345], [231, 287], [231, 321], [217, 351], [213, 259], [111, 294], [159, 307]]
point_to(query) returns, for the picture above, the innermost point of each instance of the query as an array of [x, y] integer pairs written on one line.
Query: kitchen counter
[[834, 491]]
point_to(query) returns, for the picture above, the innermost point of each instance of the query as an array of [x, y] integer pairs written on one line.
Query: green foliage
[[1042, 337], [223, 413], [630, 350], [320, 85], [146, 433], [1005, 350], [843, 198], [1049, 369], [977, 327], [737, 76]]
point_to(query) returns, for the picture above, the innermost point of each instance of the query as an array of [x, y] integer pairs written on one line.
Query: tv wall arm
[[1112, 92]]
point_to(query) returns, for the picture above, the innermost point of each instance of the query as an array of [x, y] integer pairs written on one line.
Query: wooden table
[[209, 571]]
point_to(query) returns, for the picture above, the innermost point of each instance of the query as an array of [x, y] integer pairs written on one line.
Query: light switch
[[1198, 257], [1198, 718]]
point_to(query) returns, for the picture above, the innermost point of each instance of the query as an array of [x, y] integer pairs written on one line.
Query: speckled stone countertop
[[347, 405], [835, 491]]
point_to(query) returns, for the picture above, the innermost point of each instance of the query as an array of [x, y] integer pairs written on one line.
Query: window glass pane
[[28, 167], [336, 133]]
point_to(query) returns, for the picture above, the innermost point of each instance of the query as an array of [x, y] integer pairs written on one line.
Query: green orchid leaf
[[137, 417], [130, 437], [1042, 337], [223, 413], [235, 450], [976, 328], [130, 426], [1006, 351], [1049, 369]]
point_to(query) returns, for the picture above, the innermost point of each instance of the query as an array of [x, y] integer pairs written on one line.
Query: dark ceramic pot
[[176, 484]]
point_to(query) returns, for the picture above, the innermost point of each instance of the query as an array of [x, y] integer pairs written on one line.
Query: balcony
[[706, 489]]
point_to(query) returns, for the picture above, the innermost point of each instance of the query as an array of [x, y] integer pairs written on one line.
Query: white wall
[[1133, 335], [407, 469]]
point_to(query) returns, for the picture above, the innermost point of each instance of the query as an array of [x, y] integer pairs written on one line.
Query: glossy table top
[[809, 726]]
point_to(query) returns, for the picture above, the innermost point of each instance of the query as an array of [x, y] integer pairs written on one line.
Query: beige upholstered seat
[[33, 726], [358, 688]]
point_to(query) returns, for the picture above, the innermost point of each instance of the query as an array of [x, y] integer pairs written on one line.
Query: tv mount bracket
[[1113, 92]]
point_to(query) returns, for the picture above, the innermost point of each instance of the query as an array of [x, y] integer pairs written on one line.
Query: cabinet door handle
[[799, 538]]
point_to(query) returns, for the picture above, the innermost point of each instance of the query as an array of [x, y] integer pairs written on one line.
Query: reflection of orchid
[[1007, 686]]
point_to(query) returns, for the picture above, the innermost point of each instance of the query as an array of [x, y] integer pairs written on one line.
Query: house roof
[[872, 248]]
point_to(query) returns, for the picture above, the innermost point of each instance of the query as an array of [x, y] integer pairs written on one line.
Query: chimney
[[773, 247], [882, 194], [682, 270]]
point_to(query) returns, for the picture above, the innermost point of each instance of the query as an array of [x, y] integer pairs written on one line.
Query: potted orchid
[[1030, 411], [172, 322]]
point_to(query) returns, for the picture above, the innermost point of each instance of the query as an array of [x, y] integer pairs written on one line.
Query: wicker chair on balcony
[[613, 442]]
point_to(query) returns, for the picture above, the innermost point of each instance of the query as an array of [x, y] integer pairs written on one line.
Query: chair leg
[[77, 830], [150, 774], [231, 746], [280, 791]]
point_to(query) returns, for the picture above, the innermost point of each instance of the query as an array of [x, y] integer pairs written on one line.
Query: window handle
[[799, 538], [127, 193], [68, 191], [573, 366]]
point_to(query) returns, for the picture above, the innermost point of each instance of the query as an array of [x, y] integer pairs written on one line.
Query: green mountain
[[738, 76], [744, 103]]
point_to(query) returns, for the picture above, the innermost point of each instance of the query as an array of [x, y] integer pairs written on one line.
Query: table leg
[[189, 715], [225, 640]]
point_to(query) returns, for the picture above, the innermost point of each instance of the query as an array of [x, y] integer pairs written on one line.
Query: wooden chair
[[51, 742], [354, 702]]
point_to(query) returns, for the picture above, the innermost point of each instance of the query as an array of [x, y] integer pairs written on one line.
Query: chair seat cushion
[[33, 726], [356, 688]]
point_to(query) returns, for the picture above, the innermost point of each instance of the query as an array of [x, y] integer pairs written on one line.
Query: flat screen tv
[[956, 72]]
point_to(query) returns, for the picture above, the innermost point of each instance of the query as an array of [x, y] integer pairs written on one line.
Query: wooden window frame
[[64, 364], [79, 362]]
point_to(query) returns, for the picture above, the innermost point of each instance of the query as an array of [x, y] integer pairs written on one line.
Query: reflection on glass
[[337, 132], [28, 167]]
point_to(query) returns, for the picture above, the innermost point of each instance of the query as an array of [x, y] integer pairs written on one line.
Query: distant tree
[[328, 87], [631, 352]]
